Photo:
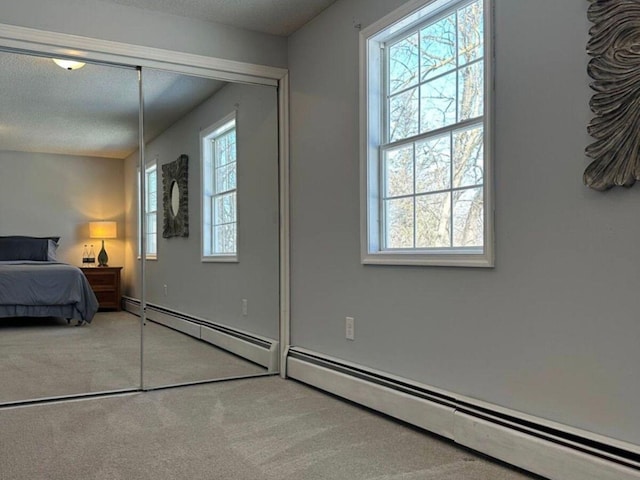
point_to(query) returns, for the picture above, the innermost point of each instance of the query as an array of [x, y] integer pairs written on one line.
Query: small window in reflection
[[219, 202], [150, 212]]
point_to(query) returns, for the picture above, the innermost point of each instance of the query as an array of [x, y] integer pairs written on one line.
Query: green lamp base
[[103, 258]]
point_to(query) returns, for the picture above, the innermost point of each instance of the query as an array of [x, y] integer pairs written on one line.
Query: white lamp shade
[[103, 230], [68, 64]]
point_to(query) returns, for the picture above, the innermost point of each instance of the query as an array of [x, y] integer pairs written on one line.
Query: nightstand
[[105, 283]]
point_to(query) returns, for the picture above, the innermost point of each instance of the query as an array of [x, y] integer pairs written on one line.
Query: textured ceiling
[[92, 111], [277, 17]]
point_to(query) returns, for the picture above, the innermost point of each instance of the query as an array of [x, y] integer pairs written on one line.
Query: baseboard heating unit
[[548, 449], [261, 350]]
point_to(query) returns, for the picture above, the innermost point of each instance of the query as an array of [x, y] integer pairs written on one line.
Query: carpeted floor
[[45, 357], [256, 429], [172, 357]]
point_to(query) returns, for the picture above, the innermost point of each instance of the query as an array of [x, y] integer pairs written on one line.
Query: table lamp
[[102, 230]]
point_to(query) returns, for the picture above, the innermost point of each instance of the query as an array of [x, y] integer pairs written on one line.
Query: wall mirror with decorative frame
[[175, 198]]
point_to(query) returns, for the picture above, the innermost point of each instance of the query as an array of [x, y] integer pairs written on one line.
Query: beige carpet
[[45, 357], [257, 429], [172, 357]]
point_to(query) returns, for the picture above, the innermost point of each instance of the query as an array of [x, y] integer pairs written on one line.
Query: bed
[[34, 284]]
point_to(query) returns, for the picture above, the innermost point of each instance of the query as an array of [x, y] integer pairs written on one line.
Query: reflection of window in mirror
[[150, 212], [219, 200]]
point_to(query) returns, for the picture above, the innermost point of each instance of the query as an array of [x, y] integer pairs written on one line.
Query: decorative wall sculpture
[[615, 68], [175, 198]]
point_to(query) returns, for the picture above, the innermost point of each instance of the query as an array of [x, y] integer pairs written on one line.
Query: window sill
[[152, 258], [220, 259], [441, 260]]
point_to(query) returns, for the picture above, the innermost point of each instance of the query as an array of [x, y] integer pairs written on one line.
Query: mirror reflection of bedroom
[[63, 137], [71, 277]]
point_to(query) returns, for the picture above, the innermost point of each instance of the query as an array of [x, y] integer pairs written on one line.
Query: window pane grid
[[151, 208], [463, 60], [393, 40], [220, 192], [224, 213], [224, 239], [430, 79], [224, 148], [419, 128], [224, 178], [437, 102], [410, 214]]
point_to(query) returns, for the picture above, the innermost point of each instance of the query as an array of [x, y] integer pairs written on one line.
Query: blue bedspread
[[30, 289]]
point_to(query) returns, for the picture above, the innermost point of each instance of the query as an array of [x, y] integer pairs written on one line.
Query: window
[[426, 136], [150, 211], [219, 199]]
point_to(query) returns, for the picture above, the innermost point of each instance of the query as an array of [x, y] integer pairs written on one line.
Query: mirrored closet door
[[65, 135], [211, 230], [178, 225]]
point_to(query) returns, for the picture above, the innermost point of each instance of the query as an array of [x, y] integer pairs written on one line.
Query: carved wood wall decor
[[614, 46], [175, 175]]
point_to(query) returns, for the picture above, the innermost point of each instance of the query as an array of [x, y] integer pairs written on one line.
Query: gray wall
[[108, 21], [553, 330], [46, 195], [214, 290]]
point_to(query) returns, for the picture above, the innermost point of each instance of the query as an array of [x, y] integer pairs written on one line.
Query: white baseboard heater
[[548, 449], [261, 350]]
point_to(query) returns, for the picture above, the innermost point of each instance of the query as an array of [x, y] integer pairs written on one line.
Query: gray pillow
[[52, 249], [27, 248]]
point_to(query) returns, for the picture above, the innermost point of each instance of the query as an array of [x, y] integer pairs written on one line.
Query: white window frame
[[143, 208], [218, 129], [372, 121]]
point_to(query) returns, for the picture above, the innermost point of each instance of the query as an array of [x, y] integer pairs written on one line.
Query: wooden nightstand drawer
[[105, 283], [99, 279], [107, 299]]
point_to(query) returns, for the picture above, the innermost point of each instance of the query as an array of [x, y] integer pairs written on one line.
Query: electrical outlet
[[245, 307], [350, 328], [166, 290]]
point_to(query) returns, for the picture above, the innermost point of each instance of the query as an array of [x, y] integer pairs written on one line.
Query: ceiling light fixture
[[68, 64]]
